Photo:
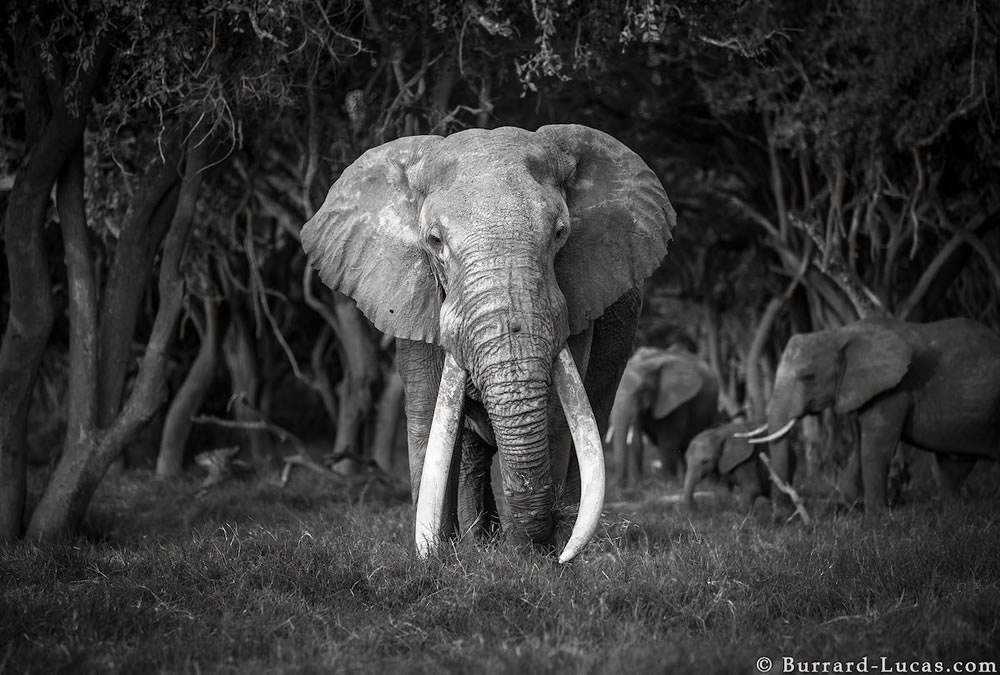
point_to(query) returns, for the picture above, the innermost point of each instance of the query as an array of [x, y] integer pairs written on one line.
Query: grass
[[255, 579]]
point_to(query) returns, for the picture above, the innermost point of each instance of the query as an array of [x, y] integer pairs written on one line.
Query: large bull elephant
[[508, 264], [667, 394], [934, 385], [725, 451]]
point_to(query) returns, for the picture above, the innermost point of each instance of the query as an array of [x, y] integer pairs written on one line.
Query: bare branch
[[800, 507], [865, 302]]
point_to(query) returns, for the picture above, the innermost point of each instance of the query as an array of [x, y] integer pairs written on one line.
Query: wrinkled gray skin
[[934, 385], [718, 452], [667, 394], [501, 247]]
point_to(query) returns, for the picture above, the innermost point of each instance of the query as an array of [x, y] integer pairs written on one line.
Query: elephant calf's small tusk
[[775, 436], [753, 432], [630, 436], [589, 452], [608, 436], [437, 460]]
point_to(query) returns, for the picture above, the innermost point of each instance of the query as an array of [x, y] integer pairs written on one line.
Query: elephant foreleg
[[669, 435], [850, 483], [420, 366], [611, 345], [477, 507], [746, 477], [881, 425], [950, 472]]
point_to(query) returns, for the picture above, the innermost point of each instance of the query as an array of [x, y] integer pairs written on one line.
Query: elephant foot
[[781, 511], [875, 511]]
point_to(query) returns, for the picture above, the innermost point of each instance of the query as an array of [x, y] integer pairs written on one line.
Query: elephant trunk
[[691, 479], [518, 410], [780, 420], [516, 401], [624, 419]]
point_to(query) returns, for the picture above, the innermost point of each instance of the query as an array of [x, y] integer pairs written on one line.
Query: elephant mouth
[[441, 444]]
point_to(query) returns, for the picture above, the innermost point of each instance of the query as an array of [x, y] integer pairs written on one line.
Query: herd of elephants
[[508, 265]]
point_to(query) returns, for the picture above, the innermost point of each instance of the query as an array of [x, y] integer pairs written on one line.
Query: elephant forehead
[[816, 347], [631, 378], [466, 208], [508, 152], [800, 348]]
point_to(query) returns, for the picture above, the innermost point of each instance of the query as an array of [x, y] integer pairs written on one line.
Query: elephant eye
[[434, 238], [562, 231], [807, 377]]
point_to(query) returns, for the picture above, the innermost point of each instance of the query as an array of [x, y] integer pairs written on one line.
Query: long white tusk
[[437, 459], [750, 434], [630, 435], [775, 436], [608, 436], [589, 452]]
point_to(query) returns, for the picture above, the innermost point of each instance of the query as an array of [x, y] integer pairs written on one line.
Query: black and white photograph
[[497, 336]]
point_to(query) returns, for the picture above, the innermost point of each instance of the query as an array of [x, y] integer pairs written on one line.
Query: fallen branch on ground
[[800, 506]]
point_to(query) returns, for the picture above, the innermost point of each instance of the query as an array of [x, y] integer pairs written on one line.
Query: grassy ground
[[255, 579]]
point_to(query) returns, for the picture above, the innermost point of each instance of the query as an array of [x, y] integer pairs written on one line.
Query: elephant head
[[715, 451], [496, 245], [656, 384], [843, 368]]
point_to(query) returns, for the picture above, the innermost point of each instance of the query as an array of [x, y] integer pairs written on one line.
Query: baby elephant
[[720, 452]]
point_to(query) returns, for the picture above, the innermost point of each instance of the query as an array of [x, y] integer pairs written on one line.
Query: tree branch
[[865, 302]]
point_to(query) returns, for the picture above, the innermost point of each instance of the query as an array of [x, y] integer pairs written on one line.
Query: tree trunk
[[128, 276], [190, 395], [756, 395], [50, 141], [28, 324], [949, 262], [864, 301], [355, 389], [390, 409], [90, 450], [81, 416], [241, 360], [320, 374], [727, 390]]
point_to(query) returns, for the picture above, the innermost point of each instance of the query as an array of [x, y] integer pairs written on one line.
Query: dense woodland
[[827, 161]]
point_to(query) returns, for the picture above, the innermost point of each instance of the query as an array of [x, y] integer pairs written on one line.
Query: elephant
[[508, 265], [935, 386], [726, 452], [667, 394]]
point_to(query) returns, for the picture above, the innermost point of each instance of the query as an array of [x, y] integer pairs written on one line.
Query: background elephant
[[667, 394], [718, 451], [934, 385], [488, 254]]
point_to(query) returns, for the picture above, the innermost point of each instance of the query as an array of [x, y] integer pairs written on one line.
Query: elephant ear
[[620, 216], [875, 360], [364, 240], [735, 451], [679, 381]]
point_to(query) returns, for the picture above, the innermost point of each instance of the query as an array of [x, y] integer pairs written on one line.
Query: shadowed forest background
[[827, 161], [157, 161]]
